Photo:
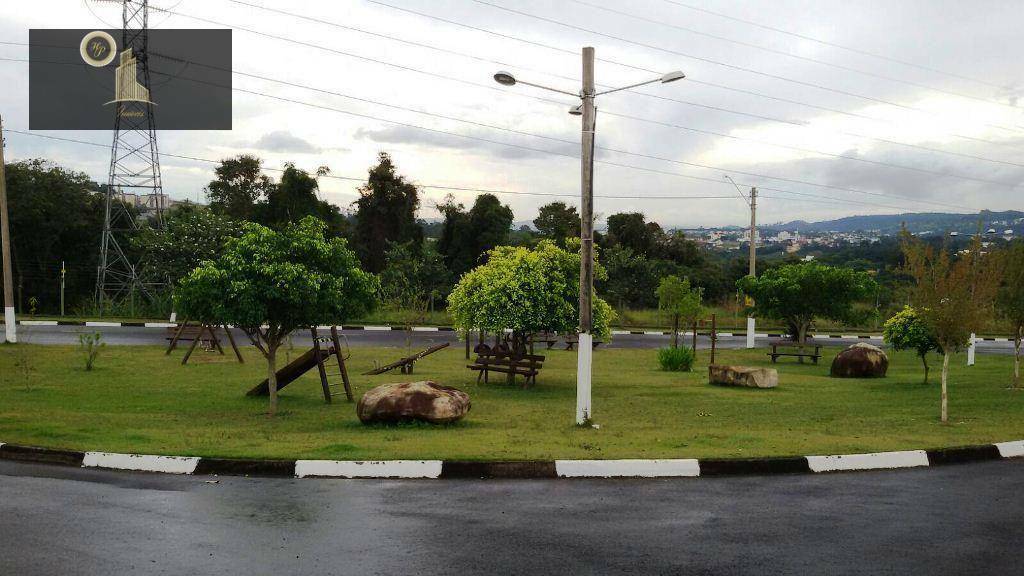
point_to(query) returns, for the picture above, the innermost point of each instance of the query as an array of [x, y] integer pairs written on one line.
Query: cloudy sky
[[830, 108]]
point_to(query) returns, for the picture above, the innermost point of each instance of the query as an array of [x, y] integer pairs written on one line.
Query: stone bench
[[743, 376]]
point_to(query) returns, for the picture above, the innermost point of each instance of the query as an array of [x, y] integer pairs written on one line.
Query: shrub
[[676, 359], [90, 346]]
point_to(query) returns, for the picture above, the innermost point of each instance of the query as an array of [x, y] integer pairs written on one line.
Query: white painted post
[[750, 332], [584, 351], [970, 350], [174, 317]]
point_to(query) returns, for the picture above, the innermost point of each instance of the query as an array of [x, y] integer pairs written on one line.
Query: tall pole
[[586, 346], [753, 260], [11, 329]]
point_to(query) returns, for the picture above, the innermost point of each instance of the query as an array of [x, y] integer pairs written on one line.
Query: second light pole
[[588, 111]]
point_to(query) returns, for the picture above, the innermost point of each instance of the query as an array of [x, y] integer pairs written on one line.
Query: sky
[[830, 108]]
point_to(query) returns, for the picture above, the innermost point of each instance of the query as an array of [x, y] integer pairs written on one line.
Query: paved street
[[156, 336], [962, 519]]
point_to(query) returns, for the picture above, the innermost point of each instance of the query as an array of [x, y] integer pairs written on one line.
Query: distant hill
[[918, 223]]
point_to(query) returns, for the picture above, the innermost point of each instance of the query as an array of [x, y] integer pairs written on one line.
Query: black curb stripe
[[43, 455], [745, 466], [69, 323], [234, 467], [351, 327], [519, 469], [445, 329], [864, 337], [962, 454], [133, 325]]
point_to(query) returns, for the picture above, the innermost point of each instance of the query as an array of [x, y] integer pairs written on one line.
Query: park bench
[[548, 338], [505, 362], [795, 349], [189, 333], [571, 340]]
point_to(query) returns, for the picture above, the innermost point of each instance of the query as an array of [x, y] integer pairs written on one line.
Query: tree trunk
[[272, 378], [1016, 356], [924, 360], [945, 379], [675, 330]]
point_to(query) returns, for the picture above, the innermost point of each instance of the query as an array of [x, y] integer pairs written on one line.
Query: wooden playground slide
[[292, 371]]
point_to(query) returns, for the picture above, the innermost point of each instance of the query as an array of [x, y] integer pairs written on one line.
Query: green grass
[[138, 400]]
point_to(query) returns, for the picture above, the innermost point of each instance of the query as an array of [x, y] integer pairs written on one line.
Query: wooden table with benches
[[795, 349], [501, 360]]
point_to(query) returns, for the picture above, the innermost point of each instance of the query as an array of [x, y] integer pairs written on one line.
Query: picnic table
[[505, 361], [571, 340], [795, 349]]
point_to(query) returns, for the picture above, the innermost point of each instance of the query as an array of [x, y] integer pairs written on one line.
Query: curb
[[524, 469], [372, 328]]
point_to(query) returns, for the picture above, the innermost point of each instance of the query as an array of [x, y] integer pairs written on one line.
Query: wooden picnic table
[[795, 349], [506, 362]]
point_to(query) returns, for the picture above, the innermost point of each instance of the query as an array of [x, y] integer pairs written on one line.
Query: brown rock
[[427, 401], [860, 361], [743, 376]]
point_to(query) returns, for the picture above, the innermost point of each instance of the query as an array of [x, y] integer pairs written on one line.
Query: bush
[[89, 345], [676, 359]]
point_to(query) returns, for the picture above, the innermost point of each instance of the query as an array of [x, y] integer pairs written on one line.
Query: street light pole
[[586, 345], [11, 329], [589, 113], [753, 258]]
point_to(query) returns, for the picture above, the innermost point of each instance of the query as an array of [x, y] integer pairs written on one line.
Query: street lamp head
[[576, 110], [672, 77], [505, 78]]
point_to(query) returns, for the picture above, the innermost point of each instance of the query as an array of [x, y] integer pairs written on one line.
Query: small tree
[[953, 295], [907, 330], [799, 293], [526, 291], [270, 283], [1010, 301], [678, 298]]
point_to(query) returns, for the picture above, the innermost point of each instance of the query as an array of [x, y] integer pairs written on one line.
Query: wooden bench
[[191, 332], [795, 349], [571, 340], [505, 362], [549, 338]]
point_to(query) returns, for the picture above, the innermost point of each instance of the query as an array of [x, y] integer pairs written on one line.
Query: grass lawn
[[138, 400]]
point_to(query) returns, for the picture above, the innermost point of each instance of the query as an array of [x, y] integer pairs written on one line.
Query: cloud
[[417, 137], [285, 142]]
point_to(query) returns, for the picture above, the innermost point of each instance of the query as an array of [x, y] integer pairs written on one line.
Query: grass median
[[139, 400]]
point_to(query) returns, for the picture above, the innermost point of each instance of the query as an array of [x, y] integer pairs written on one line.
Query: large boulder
[[743, 376], [427, 401], [860, 361]]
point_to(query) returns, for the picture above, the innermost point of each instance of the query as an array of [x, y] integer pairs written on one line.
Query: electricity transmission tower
[[134, 179]]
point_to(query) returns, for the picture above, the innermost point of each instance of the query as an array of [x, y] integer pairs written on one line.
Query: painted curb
[[525, 469]]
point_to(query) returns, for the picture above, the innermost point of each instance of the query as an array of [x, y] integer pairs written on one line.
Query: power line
[[705, 83], [790, 54], [832, 44], [723, 64]]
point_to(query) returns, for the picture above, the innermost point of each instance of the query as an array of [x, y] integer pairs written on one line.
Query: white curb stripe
[[424, 329], [381, 328], [626, 468], [103, 324], [160, 325], [38, 322], [873, 461], [850, 336], [141, 462], [1011, 449], [621, 332], [368, 469]]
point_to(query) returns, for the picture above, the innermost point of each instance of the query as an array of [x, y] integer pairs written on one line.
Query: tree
[[385, 212], [682, 301], [557, 221], [239, 185], [467, 236], [191, 235], [1010, 301], [525, 291], [907, 330], [630, 230], [799, 293], [953, 295], [412, 281], [270, 283]]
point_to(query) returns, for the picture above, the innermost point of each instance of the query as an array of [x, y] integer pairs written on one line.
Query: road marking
[[620, 332], [380, 328], [1011, 449], [141, 462], [103, 324], [871, 461], [425, 328], [626, 468], [368, 469], [37, 322], [160, 325]]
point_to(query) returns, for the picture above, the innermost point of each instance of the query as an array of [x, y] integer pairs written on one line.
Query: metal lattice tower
[[134, 179]]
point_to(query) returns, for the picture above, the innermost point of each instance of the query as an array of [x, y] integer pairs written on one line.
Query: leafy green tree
[[526, 291], [630, 230], [413, 281], [270, 283], [191, 235], [953, 295], [1010, 302], [239, 185], [467, 236], [907, 330], [55, 216], [557, 221], [682, 301], [386, 212], [799, 293]]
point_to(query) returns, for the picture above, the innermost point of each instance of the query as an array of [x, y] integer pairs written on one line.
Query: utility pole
[[753, 260], [62, 272], [586, 346], [11, 329]]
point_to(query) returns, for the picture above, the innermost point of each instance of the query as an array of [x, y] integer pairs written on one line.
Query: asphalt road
[[156, 336], [962, 519]]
